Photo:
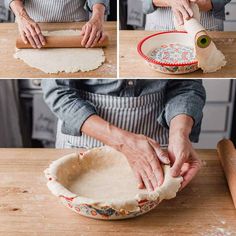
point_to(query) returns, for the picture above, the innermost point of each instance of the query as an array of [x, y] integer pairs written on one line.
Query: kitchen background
[[131, 16], [26, 121]]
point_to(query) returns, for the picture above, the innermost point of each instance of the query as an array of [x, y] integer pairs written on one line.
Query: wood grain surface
[[133, 65], [13, 68], [28, 208]]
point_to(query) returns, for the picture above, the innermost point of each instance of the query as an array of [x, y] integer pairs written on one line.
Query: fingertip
[[174, 172], [166, 160], [140, 186]]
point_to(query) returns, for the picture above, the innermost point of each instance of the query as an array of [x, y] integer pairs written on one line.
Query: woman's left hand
[[93, 31], [183, 157]]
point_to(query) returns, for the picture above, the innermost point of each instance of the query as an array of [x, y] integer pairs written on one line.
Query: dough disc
[[69, 60]]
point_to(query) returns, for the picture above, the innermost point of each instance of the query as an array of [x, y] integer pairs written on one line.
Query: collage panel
[[42, 159], [159, 42], [117, 117], [42, 39]]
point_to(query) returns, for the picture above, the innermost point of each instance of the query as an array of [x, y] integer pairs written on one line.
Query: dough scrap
[[103, 177], [69, 60], [210, 59]]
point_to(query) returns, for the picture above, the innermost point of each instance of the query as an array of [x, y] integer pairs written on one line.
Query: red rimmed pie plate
[[100, 184], [169, 52]]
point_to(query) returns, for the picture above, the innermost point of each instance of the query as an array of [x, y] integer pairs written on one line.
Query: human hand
[[181, 10], [183, 157], [145, 157], [143, 154], [29, 30], [93, 31]]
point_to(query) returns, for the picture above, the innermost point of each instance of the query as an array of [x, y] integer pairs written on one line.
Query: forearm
[[103, 131], [99, 9], [181, 124], [17, 7], [98, 6], [184, 97]]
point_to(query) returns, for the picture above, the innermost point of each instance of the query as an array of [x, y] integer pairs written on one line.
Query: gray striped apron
[[135, 114], [56, 10], [162, 19]]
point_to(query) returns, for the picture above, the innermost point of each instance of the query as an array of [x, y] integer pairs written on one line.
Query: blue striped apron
[[56, 10], [135, 114], [162, 20]]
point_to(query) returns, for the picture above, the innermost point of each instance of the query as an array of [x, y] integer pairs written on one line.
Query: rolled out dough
[[210, 59], [103, 176], [69, 60]]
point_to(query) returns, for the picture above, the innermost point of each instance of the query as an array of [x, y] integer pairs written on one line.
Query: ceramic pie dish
[[100, 184], [169, 52]]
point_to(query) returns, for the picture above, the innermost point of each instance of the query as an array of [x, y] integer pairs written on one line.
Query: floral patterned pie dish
[[100, 184], [169, 52]]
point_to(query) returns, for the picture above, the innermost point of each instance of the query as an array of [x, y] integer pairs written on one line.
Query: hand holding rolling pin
[[182, 9], [30, 31], [93, 31]]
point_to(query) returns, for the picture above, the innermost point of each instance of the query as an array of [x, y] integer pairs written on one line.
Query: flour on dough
[[103, 176], [69, 60]]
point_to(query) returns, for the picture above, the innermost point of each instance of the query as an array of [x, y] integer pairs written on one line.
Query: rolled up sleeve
[[7, 3], [89, 5], [66, 103], [218, 9], [148, 6], [184, 97]]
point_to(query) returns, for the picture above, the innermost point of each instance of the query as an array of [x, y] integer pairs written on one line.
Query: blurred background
[[131, 16], [8, 16], [26, 121]]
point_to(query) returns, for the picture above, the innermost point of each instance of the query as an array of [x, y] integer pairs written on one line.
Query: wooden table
[[28, 208], [13, 68], [133, 65]]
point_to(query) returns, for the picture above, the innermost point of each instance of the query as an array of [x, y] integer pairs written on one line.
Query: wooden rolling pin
[[61, 42], [227, 155]]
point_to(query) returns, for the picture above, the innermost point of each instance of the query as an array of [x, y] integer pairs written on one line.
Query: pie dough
[[69, 60], [210, 59], [103, 177]]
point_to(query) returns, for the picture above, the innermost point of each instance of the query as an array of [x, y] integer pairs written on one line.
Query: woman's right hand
[[181, 10], [143, 154], [145, 157], [29, 30]]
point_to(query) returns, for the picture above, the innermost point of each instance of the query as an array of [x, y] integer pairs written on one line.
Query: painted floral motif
[[173, 53], [174, 69], [106, 212]]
